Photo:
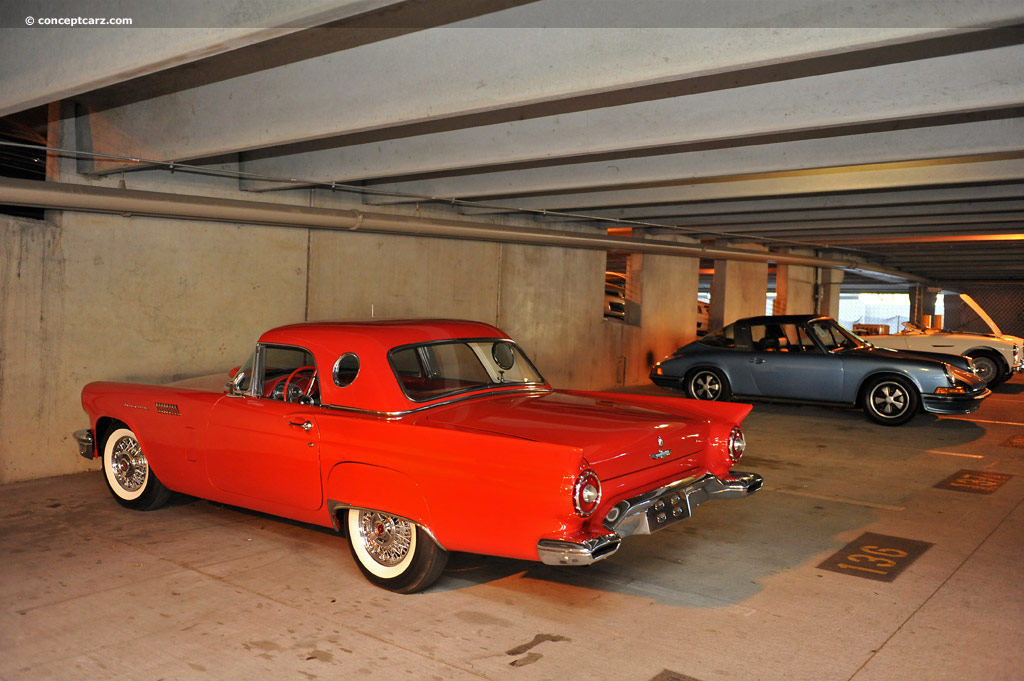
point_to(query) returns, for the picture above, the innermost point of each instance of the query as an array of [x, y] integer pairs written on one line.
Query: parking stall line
[[966, 456], [841, 500], [1000, 423]]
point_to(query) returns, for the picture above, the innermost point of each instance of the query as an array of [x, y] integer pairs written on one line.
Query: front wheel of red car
[[394, 553], [129, 477], [891, 401]]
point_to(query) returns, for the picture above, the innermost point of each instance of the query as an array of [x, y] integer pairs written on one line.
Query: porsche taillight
[[586, 493]]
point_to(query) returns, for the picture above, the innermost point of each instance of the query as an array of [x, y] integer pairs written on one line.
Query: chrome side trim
[[554, 552], [462, 398], [86, 443]]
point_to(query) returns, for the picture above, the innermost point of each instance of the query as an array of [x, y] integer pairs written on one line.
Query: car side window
[[289, 374], [346, 369], [726, 338]]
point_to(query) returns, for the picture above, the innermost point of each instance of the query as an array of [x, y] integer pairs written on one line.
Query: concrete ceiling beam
[[736, 210], [475, 73], [888, 94], [846, 150], [883, 176], [35, 59]]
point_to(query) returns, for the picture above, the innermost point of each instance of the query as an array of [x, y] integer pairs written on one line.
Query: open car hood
[[980, 311]]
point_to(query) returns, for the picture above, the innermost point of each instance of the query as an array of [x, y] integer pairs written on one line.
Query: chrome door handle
[[756, 360], [306, 425]]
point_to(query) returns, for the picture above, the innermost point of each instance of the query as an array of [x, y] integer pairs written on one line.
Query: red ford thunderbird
[[416, 438]]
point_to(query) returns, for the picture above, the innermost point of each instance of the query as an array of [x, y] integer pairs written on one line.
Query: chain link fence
[[1004, 304]]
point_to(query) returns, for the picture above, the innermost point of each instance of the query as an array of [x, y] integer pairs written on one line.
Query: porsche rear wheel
[[707, 384], [891, 401], [394, 553], [127, 473]]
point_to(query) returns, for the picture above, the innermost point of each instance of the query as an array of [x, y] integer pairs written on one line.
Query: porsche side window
[[723, 338], [288, 374]]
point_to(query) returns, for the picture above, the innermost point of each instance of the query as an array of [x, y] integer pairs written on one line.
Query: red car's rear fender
[[729, 412], [360, 485]]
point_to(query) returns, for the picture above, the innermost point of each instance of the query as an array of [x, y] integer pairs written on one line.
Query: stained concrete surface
[[198, 590]]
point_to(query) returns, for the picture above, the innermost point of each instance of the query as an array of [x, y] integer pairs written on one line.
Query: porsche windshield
[[835, 337], [433, 370]]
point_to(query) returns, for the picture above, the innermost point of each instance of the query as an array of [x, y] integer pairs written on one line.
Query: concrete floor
[[201, 591]]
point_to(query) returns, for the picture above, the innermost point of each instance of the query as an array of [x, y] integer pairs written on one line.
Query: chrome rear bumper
[[646, 513]]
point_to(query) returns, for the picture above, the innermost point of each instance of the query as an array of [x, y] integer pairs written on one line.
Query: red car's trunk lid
[[615, 438]]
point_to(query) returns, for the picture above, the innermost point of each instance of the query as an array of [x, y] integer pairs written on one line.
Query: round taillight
[[586, 493], [737, 443]]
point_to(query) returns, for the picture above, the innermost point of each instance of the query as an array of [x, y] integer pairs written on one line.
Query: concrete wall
[[91, 297], [98, 297]]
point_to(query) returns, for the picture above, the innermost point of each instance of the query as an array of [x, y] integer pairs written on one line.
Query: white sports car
[[996, 356]]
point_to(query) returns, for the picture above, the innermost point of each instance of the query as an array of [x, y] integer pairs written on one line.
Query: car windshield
[[433, 370], [834, 337]]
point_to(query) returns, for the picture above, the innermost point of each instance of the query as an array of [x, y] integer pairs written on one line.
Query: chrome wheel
[[986, 367], [392, 552], [891, 401], [128, 474], [386, 538], [706, 384], [128, 464]]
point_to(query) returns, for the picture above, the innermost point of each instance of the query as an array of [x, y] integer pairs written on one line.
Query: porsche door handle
[[305, 425], [756, 360]]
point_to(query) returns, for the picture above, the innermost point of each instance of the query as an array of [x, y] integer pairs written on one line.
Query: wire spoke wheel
[[128, 474], [393, 552], [386, 538]]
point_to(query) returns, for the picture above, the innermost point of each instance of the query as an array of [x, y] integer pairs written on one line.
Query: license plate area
[[667, 509]]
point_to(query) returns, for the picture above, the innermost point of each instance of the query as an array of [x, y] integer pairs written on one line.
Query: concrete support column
[[794, 286], [829, 282], [670, 307], [738, 289], [922, 302]]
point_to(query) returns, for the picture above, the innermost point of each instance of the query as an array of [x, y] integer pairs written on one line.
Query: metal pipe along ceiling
[[128, 202]]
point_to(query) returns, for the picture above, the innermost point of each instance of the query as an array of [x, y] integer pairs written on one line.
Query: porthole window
[[346, 369]]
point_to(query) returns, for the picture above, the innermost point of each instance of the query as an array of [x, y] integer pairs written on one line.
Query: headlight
[[737, 443], [586, 493], [949, 374]]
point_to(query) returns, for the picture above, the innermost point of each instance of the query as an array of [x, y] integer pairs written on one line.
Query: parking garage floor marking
[[966, 456], [975, 482], [841, 500], [875, 556], [998, 423]]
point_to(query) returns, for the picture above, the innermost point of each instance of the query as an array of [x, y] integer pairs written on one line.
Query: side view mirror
[[233, 386]]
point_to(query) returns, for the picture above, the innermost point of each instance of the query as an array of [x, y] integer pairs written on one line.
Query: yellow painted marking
[[1001, 423], [967, 456]]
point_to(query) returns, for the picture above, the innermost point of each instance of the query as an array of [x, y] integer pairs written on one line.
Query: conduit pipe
[[130, 202]]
